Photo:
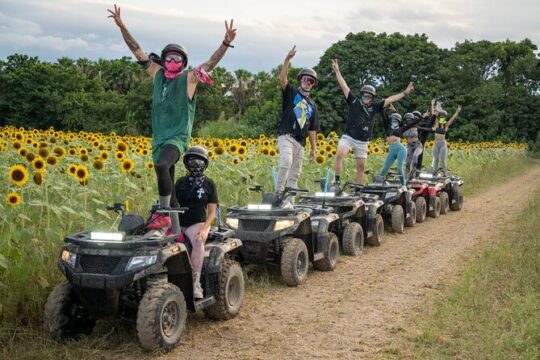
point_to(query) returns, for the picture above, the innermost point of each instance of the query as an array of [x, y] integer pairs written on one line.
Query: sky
[[52, 29]]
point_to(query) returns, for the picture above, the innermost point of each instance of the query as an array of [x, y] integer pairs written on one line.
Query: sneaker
[[159, 221], [287, 205], [197, 290]]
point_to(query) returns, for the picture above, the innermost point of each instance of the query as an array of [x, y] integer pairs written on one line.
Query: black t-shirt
[[299, 115], [360, 120], [196, 199], [425, 126]]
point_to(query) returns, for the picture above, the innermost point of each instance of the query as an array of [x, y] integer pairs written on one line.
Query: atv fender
[[408, 204], [215, 253], [322, 231], [372, 211], [432, 199], [454, 192]]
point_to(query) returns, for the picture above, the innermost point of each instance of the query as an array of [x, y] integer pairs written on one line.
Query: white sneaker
[[197, 290]]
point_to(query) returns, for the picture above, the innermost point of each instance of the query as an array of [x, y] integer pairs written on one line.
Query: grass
[[493, 311]]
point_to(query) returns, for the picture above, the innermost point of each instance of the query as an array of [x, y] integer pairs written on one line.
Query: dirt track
[[352, 312]]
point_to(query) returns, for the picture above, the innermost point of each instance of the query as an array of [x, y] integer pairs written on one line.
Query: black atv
[[286, 237], [354, 223], [144, 277], [451, 196], [398, 210]]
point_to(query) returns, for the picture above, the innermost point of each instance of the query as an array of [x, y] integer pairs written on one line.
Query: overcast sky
[[54, 28]]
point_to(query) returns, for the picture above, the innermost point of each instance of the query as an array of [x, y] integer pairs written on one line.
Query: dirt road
[[352, 312]]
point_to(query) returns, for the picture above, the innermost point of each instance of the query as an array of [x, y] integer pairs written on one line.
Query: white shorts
[[359, 148]]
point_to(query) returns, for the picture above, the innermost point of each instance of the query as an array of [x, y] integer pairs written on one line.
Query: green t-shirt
[[172, 113]]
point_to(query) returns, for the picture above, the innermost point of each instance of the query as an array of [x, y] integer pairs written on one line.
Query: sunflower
[[120, 146], [265, 150], [104, 155], [84, 157], [216, 143], [322, 152], [150, 165], [243, 143], [39, 164], [119, 155], [23, 152], [376, 149], [38, 177], [83, 151], [220, 150], [328, 148], [72, 169], [59, 151], [242, 150], [145, 152], [18, 174], [82, 174], [320, 136], [272, 152], [43, 144], [320, 159], [98, 164], [43, 152], [127, 165], [332, 134], [266, 142], [19, 136], [235, 161], [72, 151], [52, 160], [13, 199], [233, 149]]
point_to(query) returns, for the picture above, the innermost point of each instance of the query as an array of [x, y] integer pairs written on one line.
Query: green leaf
[[69, 210], [3, 262], [24, 217], [104, 213]]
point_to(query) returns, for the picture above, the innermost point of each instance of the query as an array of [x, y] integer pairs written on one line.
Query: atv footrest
[[204, 303]]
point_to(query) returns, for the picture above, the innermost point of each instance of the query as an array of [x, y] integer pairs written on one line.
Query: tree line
[[497, 83]]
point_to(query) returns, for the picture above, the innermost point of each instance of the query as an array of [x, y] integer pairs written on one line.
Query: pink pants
[[197, 254]]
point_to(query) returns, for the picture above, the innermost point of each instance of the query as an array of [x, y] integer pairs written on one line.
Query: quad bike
[[398, 210], [288, 238], [143, 277], [453, 200], [355, 221]]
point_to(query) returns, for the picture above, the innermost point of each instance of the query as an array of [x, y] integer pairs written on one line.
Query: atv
[[144, 277], [398, 210], [451, 186], [288, 238], [355, 221]]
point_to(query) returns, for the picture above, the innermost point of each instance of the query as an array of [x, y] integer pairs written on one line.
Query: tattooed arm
[[133, 45]]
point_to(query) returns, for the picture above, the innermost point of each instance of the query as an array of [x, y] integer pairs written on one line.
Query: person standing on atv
[[173, 107], [440, 147], [360, 123], [299, 119], [198, 193], [395, 130], [415, 148], [424, 129]]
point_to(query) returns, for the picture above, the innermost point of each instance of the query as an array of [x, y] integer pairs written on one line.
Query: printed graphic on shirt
[[200, 192], [302, 109]]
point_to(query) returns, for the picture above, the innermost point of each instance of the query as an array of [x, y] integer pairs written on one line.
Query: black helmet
[[308, 72], [443, 113], [395, 116], [417, 114], [198, 152], [175, 48], [369, 89], [408, 117]]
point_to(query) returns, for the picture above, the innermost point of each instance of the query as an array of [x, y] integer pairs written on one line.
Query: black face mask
[[196, 168]]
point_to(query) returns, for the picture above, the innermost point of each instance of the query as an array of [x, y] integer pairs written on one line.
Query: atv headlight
[[426, 176], [283, 224], [391, 194], [107, 236], [232, 223], [140, 261], [69, 258]]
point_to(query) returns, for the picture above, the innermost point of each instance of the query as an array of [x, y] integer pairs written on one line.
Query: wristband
[[227, 45]]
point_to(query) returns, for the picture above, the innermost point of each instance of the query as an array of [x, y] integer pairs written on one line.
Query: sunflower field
[[54, 183]]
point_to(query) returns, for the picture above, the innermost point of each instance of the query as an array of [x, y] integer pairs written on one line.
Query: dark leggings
[[421, 157], [168, 156]]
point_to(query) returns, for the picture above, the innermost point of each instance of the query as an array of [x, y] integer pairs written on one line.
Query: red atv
[[429, 196]]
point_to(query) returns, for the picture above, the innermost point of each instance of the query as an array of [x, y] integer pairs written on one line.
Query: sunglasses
[[308, 80], [367, 96], [177, 58]]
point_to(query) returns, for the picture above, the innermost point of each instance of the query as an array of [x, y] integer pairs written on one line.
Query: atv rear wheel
[[445, 204], [353, 239], [294, 262], [421, 209], [64, 316], [411, 220], [331, 254], [378, 232], [436, 208], [161, 317], [457, 204], [398, 219], [230, 294]]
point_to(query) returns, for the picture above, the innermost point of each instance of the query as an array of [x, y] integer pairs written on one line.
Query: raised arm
[[341, 81], [401, 95], [140, 55], [285, 68], [454, 117], [230, 34], [433, 106]]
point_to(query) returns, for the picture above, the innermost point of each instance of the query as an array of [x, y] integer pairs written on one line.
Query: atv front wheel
[[398, 221], [457, 204], [161, 316], [445, 204], [421, 209], [64, 316], [436, 208], [331, 254], [294, 262], [353, 239], [411, 220], [376, 238], [230, 294]]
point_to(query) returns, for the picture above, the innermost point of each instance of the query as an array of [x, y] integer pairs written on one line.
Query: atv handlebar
[[257, 188]]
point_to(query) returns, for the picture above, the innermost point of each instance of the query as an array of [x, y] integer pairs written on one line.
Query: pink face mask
[[173, 69]]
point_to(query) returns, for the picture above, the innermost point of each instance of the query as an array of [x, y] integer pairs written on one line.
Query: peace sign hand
[[291, 53], [230, 33], [335, 65], [116, 16]]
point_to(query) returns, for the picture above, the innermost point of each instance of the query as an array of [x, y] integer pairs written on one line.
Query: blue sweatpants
[[396, 151]]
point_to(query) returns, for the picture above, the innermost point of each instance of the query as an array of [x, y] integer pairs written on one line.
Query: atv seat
[[131, 224], [269, 198]]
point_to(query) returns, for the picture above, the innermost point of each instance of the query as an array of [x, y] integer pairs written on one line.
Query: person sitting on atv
[[395, 130], [359, 126], [198, 193], [299, 119], [173, 106], [440, 147]]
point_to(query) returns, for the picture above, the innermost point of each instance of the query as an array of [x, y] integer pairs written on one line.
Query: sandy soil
[[354, 311]]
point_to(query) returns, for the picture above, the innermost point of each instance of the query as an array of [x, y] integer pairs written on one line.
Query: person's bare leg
[[360, 166], [342, 152]]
